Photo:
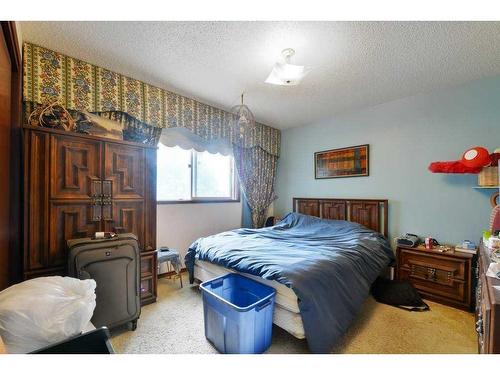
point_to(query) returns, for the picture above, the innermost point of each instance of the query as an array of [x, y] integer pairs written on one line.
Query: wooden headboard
[[372, 213]]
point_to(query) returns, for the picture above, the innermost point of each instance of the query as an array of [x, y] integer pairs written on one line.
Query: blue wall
[[404, 136]]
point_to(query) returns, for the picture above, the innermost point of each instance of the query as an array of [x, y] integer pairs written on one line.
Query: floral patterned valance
[[78, 85]]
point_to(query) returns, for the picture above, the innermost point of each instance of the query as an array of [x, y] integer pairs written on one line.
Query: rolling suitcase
[[114, 264]]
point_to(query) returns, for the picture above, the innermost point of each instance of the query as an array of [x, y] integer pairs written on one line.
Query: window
[[192, 176]]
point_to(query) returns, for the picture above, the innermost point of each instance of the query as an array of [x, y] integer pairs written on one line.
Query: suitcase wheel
[[134, 325]]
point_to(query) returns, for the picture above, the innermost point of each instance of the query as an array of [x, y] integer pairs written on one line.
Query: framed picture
[[341, 162]]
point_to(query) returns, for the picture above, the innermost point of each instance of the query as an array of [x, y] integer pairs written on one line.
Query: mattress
[[286, 311]]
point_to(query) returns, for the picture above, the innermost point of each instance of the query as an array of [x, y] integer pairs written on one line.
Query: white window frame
[[234, 186]]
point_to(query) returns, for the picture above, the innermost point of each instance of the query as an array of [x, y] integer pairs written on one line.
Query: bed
[[321, 259]]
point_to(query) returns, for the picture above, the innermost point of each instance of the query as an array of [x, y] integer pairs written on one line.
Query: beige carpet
[[175, 325]]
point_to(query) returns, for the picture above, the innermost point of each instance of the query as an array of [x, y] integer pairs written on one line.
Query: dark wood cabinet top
[[87, 136], [435, 251]]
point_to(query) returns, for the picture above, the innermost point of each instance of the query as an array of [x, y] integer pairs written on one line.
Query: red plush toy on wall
[[473, 161]]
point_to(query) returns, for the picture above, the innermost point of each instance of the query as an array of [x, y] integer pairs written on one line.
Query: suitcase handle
[[106, 236]]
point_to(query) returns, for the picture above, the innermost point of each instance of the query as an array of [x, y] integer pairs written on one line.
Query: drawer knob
[[432, 273]]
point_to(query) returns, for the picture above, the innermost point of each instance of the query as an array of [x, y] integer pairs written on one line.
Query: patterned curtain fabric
[[246, 221], [144, 109], [78, 85], [256, 171]]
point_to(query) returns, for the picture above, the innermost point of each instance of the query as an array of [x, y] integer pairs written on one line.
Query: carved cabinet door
[[75, 164], [63, 181], [124, 181], [125, 168], [68, 220], [75, 193], [127, 216]]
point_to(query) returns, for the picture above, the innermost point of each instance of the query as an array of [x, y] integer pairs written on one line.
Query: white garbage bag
[[43, 311]]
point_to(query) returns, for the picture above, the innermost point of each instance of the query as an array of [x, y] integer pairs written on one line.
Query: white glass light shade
[[286, 74]]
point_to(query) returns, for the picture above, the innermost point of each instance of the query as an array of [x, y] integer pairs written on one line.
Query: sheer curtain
[[187, 140]]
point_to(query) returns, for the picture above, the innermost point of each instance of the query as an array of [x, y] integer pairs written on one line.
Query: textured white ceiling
[[355, 64]]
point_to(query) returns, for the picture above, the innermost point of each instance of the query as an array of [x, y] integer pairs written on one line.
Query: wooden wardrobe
[[77, 184]]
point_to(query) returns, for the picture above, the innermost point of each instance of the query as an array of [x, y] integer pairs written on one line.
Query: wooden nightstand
[[444, 277]]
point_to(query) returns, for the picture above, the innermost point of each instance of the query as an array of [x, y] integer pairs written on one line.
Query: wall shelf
[[494, 195]]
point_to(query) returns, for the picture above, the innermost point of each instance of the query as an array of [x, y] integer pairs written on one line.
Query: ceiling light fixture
[[286, 74], [243, 120]]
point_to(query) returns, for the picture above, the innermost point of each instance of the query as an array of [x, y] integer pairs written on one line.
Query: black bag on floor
[[399, 293]]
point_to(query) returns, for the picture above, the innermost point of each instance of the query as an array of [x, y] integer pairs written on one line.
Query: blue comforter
[[329, 264]]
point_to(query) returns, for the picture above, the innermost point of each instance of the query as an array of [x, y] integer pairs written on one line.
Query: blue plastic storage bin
[[238, 314]]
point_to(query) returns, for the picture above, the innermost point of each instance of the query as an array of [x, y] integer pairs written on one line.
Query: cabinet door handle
[[96, 212], [107, 200], [96, 189], [96, 200], [107, 189]]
